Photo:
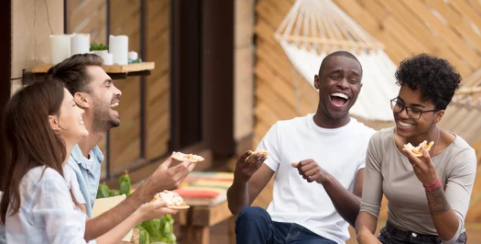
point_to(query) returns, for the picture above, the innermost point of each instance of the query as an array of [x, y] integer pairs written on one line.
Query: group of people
[[330, 171], [52, 129]]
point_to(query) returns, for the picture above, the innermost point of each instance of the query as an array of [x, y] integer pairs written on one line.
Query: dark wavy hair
[[435, 78], [30, 139], [73, 72]]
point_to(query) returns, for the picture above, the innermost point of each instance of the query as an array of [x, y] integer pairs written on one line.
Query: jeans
[[392, 235], [255, 226]]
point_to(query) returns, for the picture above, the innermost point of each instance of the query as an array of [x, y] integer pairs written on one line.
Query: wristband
[[433, 186]]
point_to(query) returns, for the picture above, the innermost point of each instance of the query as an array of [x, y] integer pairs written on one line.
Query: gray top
[[389, 172]]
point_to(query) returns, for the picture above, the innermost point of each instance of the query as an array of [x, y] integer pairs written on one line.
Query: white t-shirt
[[340, 151]]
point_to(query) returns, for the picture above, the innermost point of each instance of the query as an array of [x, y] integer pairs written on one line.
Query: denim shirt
[[47, 213], [88, 174]]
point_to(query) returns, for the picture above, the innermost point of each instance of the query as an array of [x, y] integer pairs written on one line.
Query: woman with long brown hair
[[39, 205]]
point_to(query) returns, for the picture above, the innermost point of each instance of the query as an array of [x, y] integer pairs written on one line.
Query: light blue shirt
[[47, 213], [88, 174]]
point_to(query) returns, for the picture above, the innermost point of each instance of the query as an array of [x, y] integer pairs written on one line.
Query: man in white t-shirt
[[318, 162]]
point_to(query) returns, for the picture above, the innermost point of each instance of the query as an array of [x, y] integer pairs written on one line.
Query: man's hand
[[311, 171], [165, 178], [247, 165], [424, 167]]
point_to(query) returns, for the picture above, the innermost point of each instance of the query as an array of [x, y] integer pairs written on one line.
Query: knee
[[250, 214]]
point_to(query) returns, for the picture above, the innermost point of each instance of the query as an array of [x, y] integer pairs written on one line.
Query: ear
[[439, 116], [54, 123], [82, 99], [317, 81]]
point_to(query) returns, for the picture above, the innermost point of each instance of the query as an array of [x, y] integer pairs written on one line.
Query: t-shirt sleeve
[[271, 143], [372, 187], [459, 184]]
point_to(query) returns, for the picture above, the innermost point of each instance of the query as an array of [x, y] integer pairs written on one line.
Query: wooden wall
[[448, 29], [91, 17]]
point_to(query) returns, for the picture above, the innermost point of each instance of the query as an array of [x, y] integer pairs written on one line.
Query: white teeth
[[81, 122], [114, 105], [337, 94], [404, 124]]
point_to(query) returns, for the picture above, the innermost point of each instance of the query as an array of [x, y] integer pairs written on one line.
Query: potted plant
[[99, 48]]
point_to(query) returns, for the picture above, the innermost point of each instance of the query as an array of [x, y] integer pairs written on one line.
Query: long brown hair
[[30, 138]]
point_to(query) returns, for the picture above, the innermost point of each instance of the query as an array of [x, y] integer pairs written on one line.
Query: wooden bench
[[196, 222]]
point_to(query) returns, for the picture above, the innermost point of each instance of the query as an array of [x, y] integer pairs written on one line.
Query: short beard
[[101, 118]]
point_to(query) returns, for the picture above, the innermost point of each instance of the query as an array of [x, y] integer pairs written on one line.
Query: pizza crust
[[187, 157], [418, 151], [261, 152]]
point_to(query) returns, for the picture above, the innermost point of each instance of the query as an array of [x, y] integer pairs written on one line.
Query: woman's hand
[[424, 167], [154, 210]]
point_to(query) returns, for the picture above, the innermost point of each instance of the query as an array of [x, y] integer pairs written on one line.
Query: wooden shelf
[[114, 71]]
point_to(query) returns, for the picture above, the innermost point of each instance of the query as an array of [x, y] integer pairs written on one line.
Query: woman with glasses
[[428, 196]]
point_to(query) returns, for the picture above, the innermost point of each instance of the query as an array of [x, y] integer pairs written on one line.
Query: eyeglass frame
[[407, 109]]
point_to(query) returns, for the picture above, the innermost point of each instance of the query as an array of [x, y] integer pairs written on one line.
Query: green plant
[[156, 230], [98, 47]]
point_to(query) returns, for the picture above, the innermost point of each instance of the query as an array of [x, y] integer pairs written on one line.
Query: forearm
[[119, 231], [366, 223], [346, 203], [238, 196], [445, 220], [100, 225]]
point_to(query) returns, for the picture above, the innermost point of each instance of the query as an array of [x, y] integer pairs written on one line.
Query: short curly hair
[[434, 77]]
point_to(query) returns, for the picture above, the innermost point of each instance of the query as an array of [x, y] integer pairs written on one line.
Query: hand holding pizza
[[423, 166], [311, 171], [248, 164], [154, 210]]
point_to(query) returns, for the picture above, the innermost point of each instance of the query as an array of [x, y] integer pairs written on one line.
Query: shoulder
[[461, 151], [383, 135]]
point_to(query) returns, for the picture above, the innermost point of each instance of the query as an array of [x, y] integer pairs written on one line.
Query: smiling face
[[409, 127], [339, 85], [69, 123]]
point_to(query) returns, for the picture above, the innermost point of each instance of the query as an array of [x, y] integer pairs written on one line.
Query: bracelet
[[433, 186]]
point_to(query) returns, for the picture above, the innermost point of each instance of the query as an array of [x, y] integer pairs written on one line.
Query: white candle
[[108, 58], [119, 47], [59, 48], [79, 43]]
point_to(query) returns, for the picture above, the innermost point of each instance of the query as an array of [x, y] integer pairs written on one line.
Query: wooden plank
[[467, 10], [445, 33], [419, 30], [129, 68], [455, 20]]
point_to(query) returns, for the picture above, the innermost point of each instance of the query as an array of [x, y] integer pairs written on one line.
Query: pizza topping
[[187, 157], [171, 198], [418, 151]]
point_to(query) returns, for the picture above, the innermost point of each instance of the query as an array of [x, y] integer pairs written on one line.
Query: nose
[[343, 83], [117, 92], [404, 114]]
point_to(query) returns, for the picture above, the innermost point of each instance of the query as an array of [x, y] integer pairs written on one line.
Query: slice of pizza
[[187, 157], [261, 152], [173, 200], [418, 151]]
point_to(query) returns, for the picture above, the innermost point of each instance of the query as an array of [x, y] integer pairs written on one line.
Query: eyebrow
[[108, 81], [412, 105]]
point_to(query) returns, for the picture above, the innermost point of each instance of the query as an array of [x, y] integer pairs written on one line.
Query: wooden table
[[196, 221]]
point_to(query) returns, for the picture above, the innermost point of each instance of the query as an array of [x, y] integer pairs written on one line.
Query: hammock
[[314, 28]]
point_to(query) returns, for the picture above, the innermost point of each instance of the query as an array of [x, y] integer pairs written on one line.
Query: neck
[[87, 144], [321, 120], [430, 135], [68, 149]]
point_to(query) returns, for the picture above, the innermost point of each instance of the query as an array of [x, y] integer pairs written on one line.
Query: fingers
[[244, 156], [158, 204], [253, 158], [169, 211], [191, 166], [166, 163], [294, 165]]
